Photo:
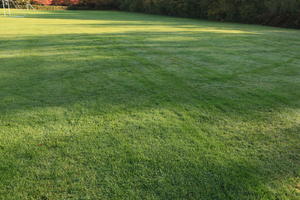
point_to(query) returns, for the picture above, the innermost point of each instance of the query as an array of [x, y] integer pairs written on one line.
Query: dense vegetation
[[269, 12], [285, 13]]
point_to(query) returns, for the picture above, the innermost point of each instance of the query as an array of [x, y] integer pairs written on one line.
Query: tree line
[[285, 13]]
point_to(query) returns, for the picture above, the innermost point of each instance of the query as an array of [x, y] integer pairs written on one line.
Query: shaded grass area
[[115, 105]]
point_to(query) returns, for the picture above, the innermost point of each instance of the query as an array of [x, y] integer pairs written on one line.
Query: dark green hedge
[[284, 13], [97, 4], [38, 7]]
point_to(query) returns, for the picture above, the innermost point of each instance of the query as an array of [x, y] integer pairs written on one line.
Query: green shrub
[[270, 12]]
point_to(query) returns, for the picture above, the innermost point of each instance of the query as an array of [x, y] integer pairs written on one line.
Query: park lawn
[[116, 105]]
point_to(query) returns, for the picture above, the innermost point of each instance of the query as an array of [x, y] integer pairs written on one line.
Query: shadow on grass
[[139, 19], [147, 68]]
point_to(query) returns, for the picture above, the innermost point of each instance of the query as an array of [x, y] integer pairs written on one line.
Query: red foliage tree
[[56, 2]]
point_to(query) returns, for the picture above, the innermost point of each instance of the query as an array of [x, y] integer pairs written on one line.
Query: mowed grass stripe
[[116, 105]]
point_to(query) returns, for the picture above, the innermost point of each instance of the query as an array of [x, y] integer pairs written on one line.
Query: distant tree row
[[270, 12], [284, 13]]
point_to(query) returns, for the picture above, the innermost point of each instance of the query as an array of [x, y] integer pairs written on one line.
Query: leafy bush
[[269, 12], [96, 4]]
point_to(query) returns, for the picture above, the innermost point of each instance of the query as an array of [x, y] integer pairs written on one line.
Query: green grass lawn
[[116, 105]]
